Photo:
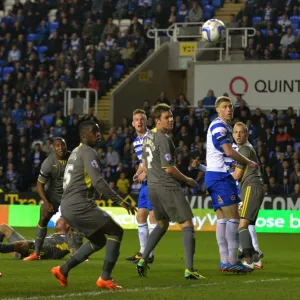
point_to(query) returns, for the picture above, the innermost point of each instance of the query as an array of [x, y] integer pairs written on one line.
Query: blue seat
[[295, 26], [293, 55], [32, 37], [217, 3], [48, 119], [264, 32], [2, 62], [295, 19], [207, 15], [53, 24], [7, 70], [256, 20], [275, 31], [296, 31], [209, 8], [117, 75], [119, 68]]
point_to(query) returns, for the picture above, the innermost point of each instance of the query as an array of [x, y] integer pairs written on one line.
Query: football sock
[[254, 238], [232, 239], [113, 245], [40, 235], [221, 239], [189, 244], [79, 256], [153, 240], [7, 248], [143, 233], [13, 237], [152, 226], [245, 240]]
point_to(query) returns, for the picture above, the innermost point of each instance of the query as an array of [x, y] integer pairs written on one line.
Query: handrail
[[210, 49], [173, 33], [244, 37]]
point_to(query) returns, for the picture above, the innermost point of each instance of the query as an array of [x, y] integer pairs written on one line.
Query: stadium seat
[[217, 3], [295, 19], [256, 20], [125, 22], [119, 68], [116, 22], [275, 31], [295, 26], [32, 37], [48, 119], [209, 8], [41, 51], [2, 62], [264, 32], [296, 31], [7, 70], [293, 55], [117, 75]]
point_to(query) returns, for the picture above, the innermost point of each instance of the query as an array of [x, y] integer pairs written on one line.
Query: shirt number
[[149, 157], [67, 175]]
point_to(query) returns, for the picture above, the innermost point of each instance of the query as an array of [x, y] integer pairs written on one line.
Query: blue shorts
[[143, 201], [222, 188]]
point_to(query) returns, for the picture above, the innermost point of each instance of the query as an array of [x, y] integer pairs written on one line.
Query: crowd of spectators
[[48, 46], [277, 28], [275, 135]]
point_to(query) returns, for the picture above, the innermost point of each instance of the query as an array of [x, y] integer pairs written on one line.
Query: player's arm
[[221, 134], [167, 158], [240, 168], [91, 164], [44, 176]]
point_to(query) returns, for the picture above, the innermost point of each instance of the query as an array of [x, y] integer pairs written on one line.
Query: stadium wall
[[145, 83], [269, 84]]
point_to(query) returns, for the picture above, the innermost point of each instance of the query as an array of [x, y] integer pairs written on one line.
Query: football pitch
[[279, 278]]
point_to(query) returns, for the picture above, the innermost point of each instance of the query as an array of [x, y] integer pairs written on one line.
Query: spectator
[[112, 157], [123, 184], [295, 176], [287, 39], [195, 13]]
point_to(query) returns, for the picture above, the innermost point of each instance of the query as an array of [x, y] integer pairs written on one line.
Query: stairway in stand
[[228, 9], [103, 110]]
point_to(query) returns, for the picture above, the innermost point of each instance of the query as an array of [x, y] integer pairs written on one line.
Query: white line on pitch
[[101, 292]]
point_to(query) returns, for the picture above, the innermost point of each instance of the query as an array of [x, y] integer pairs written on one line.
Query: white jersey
[[218, 134]]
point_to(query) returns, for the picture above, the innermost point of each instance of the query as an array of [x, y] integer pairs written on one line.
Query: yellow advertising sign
[[187, 48]]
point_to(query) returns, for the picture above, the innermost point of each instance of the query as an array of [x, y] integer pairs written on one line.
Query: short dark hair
[[159, 109], [58, 139], [84, 126]]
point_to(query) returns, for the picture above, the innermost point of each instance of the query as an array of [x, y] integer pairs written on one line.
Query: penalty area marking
[[134, 290]]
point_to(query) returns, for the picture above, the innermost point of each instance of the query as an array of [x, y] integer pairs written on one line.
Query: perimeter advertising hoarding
[[275, 221], [261, 84]]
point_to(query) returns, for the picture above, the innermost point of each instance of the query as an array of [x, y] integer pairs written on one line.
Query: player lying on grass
[[56, 246]]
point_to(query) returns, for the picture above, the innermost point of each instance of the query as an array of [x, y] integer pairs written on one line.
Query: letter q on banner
[[235, 79]]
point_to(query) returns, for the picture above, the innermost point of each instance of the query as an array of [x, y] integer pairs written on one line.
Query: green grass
[[278, 280]]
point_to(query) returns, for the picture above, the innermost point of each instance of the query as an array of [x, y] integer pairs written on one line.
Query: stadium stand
[[46, 47]]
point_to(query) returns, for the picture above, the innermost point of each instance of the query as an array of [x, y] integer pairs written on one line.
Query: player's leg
[[21, 247], [253, 197], [41, 231], [153, 224], [254, 238], [157, 233], [179, 210], [10, 234], [221, 239]]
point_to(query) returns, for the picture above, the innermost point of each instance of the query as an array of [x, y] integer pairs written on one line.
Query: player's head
[[224, 108], [163, 117], [89, 132], [240, 133], [139, 120], [61, 225], [60, 147]]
